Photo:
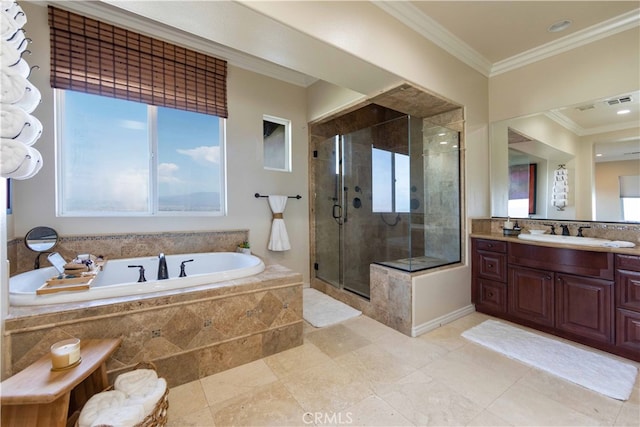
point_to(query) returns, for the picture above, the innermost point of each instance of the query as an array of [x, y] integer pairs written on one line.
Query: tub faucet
[[163, 272]]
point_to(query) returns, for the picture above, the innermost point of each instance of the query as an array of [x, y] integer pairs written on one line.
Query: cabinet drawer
[[628, 329], [584, 307], [491, 245], [491, 265], [628, 262], [492, 297], [628, 289]]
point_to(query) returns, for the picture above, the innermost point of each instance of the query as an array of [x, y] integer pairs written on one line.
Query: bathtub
[[118, 280]]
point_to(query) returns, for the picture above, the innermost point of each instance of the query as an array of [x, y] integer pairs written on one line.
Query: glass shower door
[[328, 211]]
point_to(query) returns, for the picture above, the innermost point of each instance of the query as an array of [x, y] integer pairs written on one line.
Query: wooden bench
[[38, 396]]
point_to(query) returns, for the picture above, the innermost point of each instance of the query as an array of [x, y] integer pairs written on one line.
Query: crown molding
[[417, 20], [430, 29], [572, 126], [588, 35], [123, 18]]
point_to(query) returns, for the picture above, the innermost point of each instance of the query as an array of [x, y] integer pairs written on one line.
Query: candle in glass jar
[[65, 353]]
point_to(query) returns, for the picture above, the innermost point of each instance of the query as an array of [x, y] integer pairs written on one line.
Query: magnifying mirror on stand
[[41, 240]]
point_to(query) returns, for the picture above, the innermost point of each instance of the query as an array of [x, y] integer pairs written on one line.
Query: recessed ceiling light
[[559, 26], [621, 112], [598, 155], [443, 142]]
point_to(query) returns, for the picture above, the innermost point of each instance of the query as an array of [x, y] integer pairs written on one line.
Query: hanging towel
[[9, 55], [13, 86], [30, 98], [12, 155], [279, 240], [12, 120]]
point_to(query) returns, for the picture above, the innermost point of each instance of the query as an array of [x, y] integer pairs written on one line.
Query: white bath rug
[[321, 310], [586, 368]]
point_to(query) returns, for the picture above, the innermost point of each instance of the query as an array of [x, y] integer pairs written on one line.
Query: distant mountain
[[200, 201]]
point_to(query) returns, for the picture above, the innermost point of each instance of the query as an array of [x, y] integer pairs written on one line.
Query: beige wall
[[250, 95], [607, 188]]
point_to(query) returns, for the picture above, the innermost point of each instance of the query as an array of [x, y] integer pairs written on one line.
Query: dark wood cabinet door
[[584, 307], [628, 330], [530, 295], [491, 265], [492, 297], [628, 289]]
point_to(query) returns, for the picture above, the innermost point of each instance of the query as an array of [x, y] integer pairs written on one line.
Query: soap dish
[[510, 232]]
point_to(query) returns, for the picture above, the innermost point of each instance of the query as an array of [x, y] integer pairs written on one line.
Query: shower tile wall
[[129, 246]]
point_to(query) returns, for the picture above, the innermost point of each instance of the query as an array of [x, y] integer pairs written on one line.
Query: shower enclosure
[[388, 194]]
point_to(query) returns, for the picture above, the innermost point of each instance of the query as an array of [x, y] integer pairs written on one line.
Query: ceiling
[[496, 36]]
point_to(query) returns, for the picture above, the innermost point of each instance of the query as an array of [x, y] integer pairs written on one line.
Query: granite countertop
[[499, 236]]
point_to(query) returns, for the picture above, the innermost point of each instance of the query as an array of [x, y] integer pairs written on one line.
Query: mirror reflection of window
[[276, 137]]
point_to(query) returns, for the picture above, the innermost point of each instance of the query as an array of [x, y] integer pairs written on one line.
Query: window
[[276, 139], [630, 197], [119, 157], [390, 181]]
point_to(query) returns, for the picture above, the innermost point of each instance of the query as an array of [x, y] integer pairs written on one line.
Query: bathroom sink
[[570, 240]]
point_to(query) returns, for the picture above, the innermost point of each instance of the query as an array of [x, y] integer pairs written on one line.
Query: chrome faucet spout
[[163, 272]]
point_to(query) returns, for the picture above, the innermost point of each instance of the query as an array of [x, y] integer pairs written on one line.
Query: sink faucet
[[565, 230], [163, 272]]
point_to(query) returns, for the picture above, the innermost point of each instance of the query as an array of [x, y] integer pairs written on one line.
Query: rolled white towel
[[136, 382], [22, 68], [148, 396], [30, 132], [121, 416], [30, 99], [12, 155], [13, 86], [18, 15], [8, 25], [29, 166], [12, 120], [98, 403], [18, 41], [9, 55], [34, 165]]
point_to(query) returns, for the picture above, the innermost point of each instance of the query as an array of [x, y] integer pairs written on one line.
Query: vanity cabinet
[[531, 295], [628, 302], [591, 297], [490, 275]]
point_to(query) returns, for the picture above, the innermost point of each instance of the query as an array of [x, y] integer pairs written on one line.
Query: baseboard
[[442, 320]]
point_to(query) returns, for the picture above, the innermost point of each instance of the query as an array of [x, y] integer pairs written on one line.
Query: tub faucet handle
[[141, 278], [182, 272]]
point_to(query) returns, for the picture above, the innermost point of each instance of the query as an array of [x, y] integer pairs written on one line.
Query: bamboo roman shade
[[98, 58]]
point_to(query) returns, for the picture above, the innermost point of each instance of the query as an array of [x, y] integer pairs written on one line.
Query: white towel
[[122, 416], [31, 131], [13, 86], [12, 120], [98, 403], [136, 382], [619, 244], [30, 165], [12, 155], [148, 396], [9, 55], [30, 98], [8, 25], [279, 240], [22, 68]]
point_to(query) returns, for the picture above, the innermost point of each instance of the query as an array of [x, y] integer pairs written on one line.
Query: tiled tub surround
[[188, 333], [129, 245]]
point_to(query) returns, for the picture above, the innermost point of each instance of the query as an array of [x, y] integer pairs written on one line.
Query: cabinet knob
[[490, 294], [548, 277], [490, 265]]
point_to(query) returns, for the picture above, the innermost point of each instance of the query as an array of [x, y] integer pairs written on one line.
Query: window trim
[[153, 205]]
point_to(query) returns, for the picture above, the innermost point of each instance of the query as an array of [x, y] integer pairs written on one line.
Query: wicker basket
[[157, 417]]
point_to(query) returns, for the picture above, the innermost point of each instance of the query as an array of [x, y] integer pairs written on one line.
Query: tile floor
[[362, 373]]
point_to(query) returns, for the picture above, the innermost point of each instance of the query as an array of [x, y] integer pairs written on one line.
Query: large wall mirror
[[598, 144]]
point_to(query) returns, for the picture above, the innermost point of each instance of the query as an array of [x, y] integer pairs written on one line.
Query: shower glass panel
[[388, 194]]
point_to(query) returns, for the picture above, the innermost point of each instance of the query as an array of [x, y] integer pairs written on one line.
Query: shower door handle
[[338, 209]]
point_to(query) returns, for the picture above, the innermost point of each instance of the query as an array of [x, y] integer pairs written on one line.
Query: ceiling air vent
[[620, 100]]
